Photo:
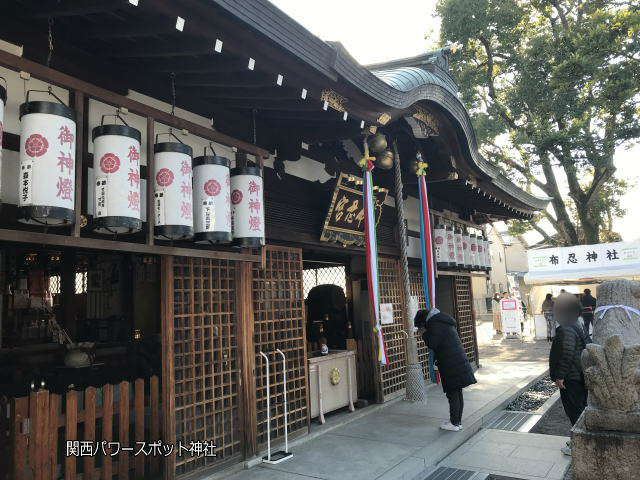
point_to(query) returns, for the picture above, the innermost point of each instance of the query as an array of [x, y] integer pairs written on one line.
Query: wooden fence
[[50, 436]]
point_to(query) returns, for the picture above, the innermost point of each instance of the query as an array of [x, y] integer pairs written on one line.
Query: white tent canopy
[[584, 263]]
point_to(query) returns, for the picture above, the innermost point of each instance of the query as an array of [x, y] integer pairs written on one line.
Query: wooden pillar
[[151, 219], [68, 293], [168, 384], [81, 126], [244, 306]]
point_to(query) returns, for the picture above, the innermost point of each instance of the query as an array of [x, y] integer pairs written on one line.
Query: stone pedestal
[[595, 452]]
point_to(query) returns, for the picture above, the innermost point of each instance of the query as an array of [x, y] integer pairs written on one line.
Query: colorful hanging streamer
[[428, 270], [372, 250]]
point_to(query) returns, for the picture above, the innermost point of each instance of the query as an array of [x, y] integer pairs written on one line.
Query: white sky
[[375, 31]]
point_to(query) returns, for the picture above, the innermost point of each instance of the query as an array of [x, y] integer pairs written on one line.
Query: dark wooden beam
[[265, 93], [66, 81], [204, 64], [153, 27], [278, 105], [238, 80], [22, 236], [74, 8], [163, 49]]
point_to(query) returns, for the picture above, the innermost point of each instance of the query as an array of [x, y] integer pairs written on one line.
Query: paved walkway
[[399, 440], [525, 455]]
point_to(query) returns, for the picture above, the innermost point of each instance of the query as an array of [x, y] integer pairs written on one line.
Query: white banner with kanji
[[584, 262]]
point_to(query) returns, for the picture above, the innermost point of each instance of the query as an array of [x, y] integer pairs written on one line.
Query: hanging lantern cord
[[172, 75], [115, 116], [254, 113], [213, 151], [170, 132], [50, 22], [49, 90]]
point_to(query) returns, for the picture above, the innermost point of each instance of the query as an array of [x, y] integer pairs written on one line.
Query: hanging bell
[[377, 143], [384, 160], [413, 167]]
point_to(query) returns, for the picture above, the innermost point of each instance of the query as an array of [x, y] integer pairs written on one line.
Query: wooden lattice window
[[464, 316], [206, 359], [417, 290], [279, 324], [393, 374]]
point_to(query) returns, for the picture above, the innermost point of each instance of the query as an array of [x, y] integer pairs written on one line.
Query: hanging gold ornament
[[377, 143], [384, 160]]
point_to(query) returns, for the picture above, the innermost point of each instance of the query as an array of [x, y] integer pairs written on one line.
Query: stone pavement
[[397, 440], [525, 455]]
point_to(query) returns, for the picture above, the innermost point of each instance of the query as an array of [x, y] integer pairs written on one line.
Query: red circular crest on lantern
[[212, 188], [109, 163], [439, 240], [164, 177], [236, 197], [36, 145]]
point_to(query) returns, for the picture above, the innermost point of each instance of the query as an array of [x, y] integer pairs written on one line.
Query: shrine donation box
[[332, 382]]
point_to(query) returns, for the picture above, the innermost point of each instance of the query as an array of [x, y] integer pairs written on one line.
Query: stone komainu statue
[[611, 318], [605, 442]]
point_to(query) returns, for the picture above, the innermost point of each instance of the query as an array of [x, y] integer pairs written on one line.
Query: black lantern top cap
[[51, 108], [246, 171], [113, 129], [211, 160], [173, 147]]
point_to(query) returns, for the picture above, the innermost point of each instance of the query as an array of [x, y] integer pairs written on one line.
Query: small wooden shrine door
[[206, 360], [279, 323]]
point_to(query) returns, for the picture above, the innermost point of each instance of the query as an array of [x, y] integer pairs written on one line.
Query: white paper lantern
[[466, 248], [440, 246], [473, 245], [3, 102], [46, 189], [451, 246], [212, 199], [247, 206], [116, 166], [173, 191], [459, 247], [487, 253], [481, 259]]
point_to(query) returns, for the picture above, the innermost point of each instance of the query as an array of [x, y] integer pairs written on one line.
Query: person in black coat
[[565, 366], [439, 332], [588, 307]]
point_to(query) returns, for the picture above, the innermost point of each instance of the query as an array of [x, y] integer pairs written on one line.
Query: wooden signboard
[[345, 219]]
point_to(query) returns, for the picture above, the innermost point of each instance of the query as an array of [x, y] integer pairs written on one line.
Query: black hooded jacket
[[566, 351], [442, 337]]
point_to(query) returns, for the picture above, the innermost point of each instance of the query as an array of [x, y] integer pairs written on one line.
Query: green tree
[[552, 87]]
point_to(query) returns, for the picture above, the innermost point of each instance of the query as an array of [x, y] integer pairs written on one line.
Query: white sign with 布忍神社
[[605, 260]]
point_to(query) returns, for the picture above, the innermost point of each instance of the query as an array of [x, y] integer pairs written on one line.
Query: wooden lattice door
[[464, 315], [417, 290], [279, 323], [392, 375], [206, 364]]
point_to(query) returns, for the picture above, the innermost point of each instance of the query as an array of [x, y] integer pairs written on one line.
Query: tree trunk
[[590, 225]]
